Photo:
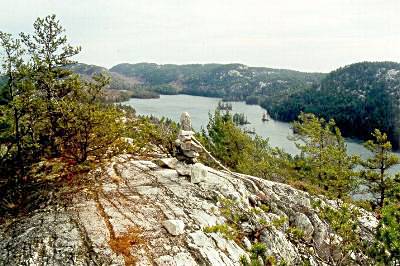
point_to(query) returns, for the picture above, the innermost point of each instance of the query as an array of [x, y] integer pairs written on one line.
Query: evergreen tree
[[239, 151], [343, 238], [50, 54], [16, 103], [47, 111], [386, 247], [375, 175], [324, 160], [88, 125]]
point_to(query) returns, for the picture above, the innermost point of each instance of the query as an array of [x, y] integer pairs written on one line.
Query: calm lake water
[[172, 106]]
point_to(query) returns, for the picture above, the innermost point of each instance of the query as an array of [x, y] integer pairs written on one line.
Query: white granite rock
[[180, 259], [167, 162], [302, 222], [135, 199], [174, 227], [198, 173]]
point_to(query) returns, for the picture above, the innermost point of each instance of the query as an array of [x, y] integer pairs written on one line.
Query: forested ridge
[[234, 82], [360, 97], [229, 81]]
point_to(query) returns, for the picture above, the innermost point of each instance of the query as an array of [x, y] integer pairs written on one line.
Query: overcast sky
[[310, 35]]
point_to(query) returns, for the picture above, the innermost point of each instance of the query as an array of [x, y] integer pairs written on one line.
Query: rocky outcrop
[[136, 212]]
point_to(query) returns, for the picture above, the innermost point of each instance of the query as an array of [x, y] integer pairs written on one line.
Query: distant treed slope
[[118, 81], [360, 97], [231, 81], [121, 87]]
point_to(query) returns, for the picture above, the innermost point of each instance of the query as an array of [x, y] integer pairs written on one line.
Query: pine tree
[[89, 126], [386, 246], [375, 175], [50, 53], [18, 90], [324, 155], [240, 152], [48, 111]]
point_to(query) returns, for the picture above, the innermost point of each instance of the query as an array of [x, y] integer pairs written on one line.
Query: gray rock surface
[[302, 222], [167, 162], [174, 227], [119, 219], [198, 173]]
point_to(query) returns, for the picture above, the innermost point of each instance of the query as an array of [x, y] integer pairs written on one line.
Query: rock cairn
[[187, 150]]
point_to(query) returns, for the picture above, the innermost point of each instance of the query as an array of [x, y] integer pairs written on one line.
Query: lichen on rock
[[121, 219]]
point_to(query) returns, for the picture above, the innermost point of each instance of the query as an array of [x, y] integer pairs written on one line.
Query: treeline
[[120, 88], [323, 168], [240, 119], [231, 81]]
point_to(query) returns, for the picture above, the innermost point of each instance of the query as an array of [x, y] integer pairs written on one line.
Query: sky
[[305, 35]]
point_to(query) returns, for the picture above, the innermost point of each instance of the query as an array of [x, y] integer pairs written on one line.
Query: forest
[[360, 97]]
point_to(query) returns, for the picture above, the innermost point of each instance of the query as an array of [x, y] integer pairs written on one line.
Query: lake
[[198, 107]]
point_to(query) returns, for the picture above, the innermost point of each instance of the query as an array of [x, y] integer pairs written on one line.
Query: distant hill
[[229, 81], [360, 97], [121, 87], [118, 81]]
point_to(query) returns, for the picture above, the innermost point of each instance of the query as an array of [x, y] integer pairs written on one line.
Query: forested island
[[85, 181]]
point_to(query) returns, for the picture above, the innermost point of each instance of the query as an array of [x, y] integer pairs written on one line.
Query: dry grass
[[123, 244]]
